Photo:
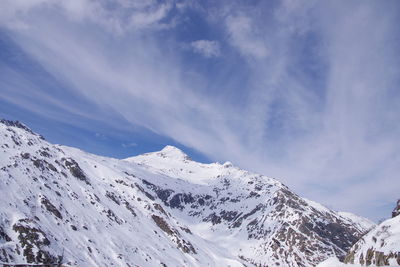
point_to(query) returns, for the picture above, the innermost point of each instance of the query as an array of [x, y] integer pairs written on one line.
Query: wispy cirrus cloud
[[306, 92], [242, 35], [116, 16], [206, 47]]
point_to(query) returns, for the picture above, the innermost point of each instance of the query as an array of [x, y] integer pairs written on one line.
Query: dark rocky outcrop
[[33, 241], [181, 243], [76, 170], [17, 124], [396, 210], [50, 207]]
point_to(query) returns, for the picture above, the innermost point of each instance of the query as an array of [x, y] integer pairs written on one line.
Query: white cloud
[[340, 133], [117, 17], [243, 36], [206, 48], [150, 18]]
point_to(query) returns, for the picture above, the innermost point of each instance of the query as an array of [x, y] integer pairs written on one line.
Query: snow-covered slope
[[363, 222], [334, 262], [254, 216], [157, 209], [381, 246]]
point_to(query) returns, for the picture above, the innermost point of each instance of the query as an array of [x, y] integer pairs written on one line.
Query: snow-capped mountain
[[158, 209]]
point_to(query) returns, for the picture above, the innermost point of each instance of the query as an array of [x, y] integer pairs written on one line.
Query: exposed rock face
[[281, 228], [157, 209], [396, 210], [379, 247]]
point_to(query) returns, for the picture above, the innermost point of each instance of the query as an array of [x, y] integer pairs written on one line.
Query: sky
[[303, 91]]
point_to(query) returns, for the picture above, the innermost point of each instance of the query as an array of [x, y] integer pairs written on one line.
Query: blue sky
[[307, 92]]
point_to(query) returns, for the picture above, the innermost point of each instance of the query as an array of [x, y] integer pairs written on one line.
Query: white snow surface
[[363, 222], [155, 209], [334, 262], [385, 238], [173, 162], [351, 217]]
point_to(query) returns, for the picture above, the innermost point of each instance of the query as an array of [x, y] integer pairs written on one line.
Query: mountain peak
[[20, 125], [208, 214], [173, 152], [17, 124]]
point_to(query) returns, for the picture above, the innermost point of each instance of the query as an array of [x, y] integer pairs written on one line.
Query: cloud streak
[[316, 106]]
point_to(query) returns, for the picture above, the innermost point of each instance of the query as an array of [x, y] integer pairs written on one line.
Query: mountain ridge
[[153, 210]]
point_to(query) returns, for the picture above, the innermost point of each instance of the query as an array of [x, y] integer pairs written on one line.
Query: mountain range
[[61, 204]]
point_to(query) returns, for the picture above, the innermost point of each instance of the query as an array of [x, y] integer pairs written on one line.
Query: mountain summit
[[173, 153], [158, 209]]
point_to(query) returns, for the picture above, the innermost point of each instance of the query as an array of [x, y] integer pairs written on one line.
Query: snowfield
[[334, 262]]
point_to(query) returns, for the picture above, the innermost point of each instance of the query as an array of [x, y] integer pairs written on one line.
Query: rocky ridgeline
[[379, 247], [157, 209], [396, 210]]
